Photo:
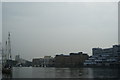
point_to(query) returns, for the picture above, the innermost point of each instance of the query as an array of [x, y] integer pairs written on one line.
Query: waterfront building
[[116, 50], [104, 57], [22, 62], [47, 61], [96, 51], [38, 62], [62, 60], [10, 63], [77, 59], [71, 60]]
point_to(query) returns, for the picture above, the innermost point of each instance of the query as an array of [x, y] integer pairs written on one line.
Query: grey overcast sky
[[0, 25], [48, 28]]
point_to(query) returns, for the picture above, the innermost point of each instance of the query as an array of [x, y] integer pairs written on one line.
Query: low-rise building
[[71, 60], [47, 61], [104, 57], [62, 60], [77, 59], [22, 62], [38, 62]]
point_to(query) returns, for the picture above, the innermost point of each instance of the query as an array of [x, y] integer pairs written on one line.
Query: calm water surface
[[38, 72]]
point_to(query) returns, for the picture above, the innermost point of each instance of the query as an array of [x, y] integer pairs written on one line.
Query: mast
[[9, 47], [6, 53]]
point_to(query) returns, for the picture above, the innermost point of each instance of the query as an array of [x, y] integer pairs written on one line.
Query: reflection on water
[[6, 75], [38, 72], [0, 74]]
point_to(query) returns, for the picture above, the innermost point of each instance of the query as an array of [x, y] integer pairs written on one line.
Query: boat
[[6, 70]]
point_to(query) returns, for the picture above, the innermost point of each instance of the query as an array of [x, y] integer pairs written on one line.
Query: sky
[[48, 28], [60, 0], [119, 22], [0, 22]]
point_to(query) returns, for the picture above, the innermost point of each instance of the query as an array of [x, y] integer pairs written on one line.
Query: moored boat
[[6, 70]]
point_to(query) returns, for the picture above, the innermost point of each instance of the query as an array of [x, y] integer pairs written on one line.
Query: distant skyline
[[46, 29]]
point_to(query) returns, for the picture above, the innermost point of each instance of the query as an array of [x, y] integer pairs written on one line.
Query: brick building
[[71, 60]]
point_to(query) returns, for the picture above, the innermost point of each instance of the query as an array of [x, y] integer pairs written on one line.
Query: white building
[[20, 60], [104, 56], [48, 61]]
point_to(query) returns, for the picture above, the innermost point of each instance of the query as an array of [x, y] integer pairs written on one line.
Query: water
[[38, 72]]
